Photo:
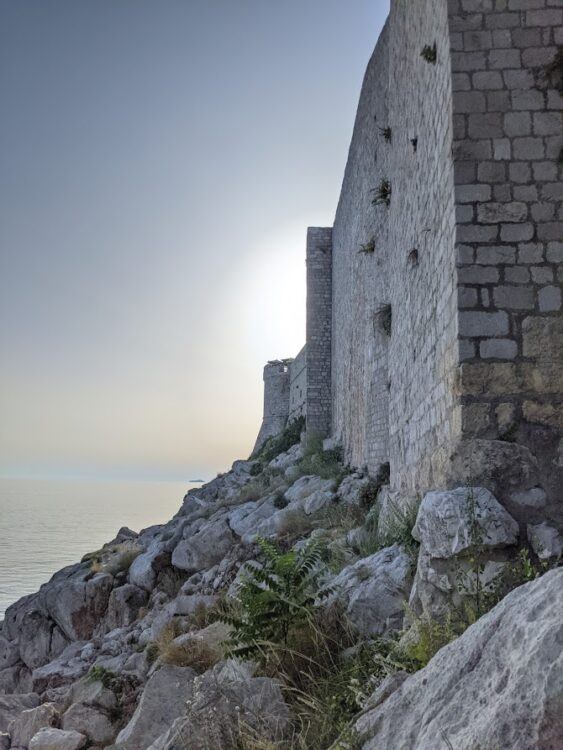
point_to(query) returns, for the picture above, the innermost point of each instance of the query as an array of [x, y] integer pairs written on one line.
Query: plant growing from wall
[[414, 144], [368, 248], [430, 53], [382, 194], [387, 134]]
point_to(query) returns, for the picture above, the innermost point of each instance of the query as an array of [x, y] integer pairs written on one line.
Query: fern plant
[[275, 598]]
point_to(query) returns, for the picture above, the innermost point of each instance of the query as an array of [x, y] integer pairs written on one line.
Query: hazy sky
[[160, 161]]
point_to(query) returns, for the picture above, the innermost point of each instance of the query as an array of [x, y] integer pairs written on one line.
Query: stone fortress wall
[[434, 324]]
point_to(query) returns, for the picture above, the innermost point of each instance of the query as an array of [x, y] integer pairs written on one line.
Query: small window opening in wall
[[383, 318], [414, 144]]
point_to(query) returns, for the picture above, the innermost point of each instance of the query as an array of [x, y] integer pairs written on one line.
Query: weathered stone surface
[[351, 488], [92, 694], [90, 721], [11, 706], [9, 653], [287, 459], [29, 722], [306, 486], [123, 606], [454, 521], [162, 701], [64, 670], [224, 699], [57, 739], [40, 639], [204, 549], [500, 466], [497, 686], [78, 606], [373, 591], [144, 568], [546, 541]]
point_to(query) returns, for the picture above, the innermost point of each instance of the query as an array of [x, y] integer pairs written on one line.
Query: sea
[[47, 524]]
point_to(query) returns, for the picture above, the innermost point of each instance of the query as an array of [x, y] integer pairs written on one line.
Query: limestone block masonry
[[434, 303]]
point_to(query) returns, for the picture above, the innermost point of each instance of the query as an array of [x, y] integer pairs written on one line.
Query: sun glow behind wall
[[159, 165]]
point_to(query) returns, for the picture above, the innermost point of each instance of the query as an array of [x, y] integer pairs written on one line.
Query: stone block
[[518, 123], [528, 148], [520, 171], [514, 297], [527, 99], [554, 252], [544, 171], [498, 101], [491, 378], [487, 125], [478, 275], [502, 149], [472, 193], [542, 274], [487, 80], [552, 17], [516, 232], [547, 123], [549, 299], [549, 414], [517, 275], [473, 324], [489, 255], [491, 171], [469, 101], [530, 252], [504, 58], [542, 337], [550, 230], [498, 349], [493, 213], [474, 233]]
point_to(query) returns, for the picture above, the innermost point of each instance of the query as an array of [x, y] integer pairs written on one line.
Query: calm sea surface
[[45, 525]]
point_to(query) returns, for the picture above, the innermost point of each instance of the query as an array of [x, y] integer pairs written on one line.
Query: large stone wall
[[394, 395], [434, 312], [319, 326], [298, 386], [508, 140]]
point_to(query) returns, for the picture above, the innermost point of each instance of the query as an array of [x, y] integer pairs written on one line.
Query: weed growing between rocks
[[103, 675], [114, 561], [281, 443], [190, 651], [327, 464]]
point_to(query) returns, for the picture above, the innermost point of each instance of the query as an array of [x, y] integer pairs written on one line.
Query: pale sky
[[160, 161]]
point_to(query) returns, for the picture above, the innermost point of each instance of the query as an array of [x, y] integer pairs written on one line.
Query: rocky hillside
[[293, 603]]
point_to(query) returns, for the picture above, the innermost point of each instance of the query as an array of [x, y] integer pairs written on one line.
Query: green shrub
[[281, 443], [103, 675], [274, 598], [327, 464]]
